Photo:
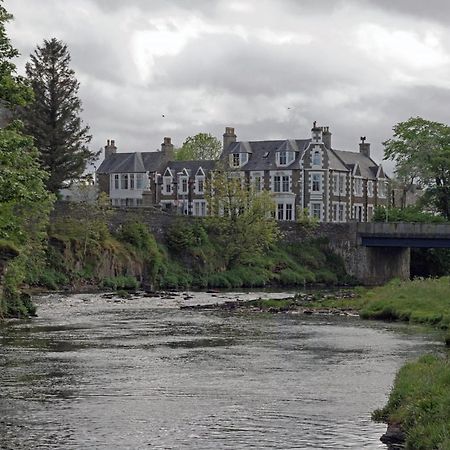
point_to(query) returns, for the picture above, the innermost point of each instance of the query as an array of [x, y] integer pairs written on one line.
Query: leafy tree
[[421, 150], [200, 146], [24, 201], [240, 216], [53, 118]]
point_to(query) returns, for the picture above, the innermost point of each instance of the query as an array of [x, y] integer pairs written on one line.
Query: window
[[338, 212], [288, 211], [339, 184], [341, 212], [316, 210], [358, 213], [382, 189], [285, 158], [285, 183], [200, 184], [277, 183], [139, 181], [257, 181], [124, 181], [167, 185], [139, 202], [357, 187], [316, 158], [238, 159], [280, 211], [370, 189], [116, 181], [184, 185], [369, 213], [132, 181], [316, 182], [200, 208]]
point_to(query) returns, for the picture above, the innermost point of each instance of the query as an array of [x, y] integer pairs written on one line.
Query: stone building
[[302, 174]]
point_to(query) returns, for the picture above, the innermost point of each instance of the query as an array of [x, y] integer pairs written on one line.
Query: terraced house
[[303, 175]]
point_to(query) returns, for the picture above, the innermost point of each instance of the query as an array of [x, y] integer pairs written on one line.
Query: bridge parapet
[[404, 229]]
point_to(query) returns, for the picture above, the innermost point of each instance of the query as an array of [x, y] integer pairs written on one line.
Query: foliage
[[201, 146], [13, 90], [421, 150], [240, 217], [139, 237], [53, 117], [407, 214], [304, 219], [24, 202], [420, 402]]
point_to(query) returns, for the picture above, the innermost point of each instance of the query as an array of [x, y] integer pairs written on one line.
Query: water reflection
[[140, 374]]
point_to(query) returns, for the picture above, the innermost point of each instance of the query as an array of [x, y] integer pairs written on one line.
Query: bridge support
[[378, 265]]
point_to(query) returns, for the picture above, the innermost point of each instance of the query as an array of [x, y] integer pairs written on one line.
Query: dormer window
[[316, 158], [238, 159], [285, 158]]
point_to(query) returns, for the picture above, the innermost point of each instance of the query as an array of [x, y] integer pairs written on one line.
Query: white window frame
[[382, 189], [316, 153], [320, 182], [370, 190], [285, 158], [357, 186], [312, 211]]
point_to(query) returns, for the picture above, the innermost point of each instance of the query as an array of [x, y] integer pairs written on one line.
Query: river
[[98, 373]]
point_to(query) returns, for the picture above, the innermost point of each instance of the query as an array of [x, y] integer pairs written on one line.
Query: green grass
[[420, 402], [420, 301]]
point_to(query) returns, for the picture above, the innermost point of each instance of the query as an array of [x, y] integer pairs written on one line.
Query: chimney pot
[[167, 141]]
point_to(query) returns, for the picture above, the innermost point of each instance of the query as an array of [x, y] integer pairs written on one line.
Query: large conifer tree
[[53, 119]]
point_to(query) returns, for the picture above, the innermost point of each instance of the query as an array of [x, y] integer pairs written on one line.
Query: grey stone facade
[[303, 175]]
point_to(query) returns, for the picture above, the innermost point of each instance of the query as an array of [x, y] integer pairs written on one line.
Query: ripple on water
[[143, 374]]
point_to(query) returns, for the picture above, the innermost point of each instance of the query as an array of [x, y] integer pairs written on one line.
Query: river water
[[98, 373]]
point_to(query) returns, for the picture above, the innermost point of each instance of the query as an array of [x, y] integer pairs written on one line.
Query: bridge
[[376, 252]]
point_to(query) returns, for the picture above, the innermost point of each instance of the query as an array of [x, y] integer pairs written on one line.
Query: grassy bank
[[419, 301], [420, 403]]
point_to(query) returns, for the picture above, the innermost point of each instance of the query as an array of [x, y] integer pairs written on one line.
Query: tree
[[24, 201], [200, 146], [421, 151], [242, 216], [53, 117]]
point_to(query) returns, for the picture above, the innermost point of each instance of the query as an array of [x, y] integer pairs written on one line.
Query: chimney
[[364, 147], [228, 137], [316, 133], [326, 137], [110, 148], [167, 149]]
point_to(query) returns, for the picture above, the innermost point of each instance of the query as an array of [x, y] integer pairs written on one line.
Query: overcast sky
[[269, 68]]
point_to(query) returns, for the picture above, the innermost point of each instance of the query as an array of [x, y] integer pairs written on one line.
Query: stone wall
[[369, 265]]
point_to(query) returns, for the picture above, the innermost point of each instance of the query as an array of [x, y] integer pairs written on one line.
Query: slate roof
[[366, 165], [131, 162], [263, 153]]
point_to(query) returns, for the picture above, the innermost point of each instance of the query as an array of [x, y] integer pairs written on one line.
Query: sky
[[269, 68]]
